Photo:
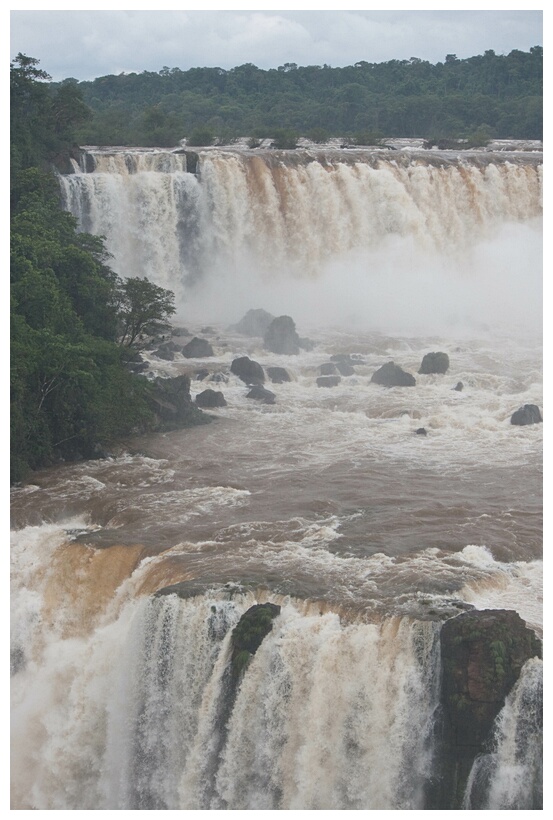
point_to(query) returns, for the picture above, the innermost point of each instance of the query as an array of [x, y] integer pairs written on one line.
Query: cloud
[[88, 44]]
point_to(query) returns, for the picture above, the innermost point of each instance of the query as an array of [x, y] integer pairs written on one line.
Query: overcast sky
[[89, 44]]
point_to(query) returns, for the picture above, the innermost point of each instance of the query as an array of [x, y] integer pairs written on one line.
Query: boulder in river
[[328, 369], [529, 414], [391, 375], [278, 375], [172, 404], [197, 349], [434, 363], [261, 394], [328, 381], [249, 371], [211, 398], [458, 387], [281, 337], [254, 323]]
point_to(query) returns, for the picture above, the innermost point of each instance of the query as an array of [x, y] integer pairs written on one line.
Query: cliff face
[[483, 653]]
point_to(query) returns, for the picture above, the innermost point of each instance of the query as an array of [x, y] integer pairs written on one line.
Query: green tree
[[144, 309]]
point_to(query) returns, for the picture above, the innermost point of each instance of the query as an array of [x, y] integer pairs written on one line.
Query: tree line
[[497, 96], [74, 322]]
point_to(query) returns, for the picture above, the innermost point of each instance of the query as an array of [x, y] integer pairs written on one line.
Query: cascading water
[[263, 223], [326, 503]]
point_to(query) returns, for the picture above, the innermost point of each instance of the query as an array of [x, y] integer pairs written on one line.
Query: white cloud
[[87, 44]]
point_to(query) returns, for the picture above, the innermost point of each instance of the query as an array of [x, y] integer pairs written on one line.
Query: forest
[[73, 321], [488, 96]]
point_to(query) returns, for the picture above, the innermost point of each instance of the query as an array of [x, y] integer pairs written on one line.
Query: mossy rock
[[249, 632]]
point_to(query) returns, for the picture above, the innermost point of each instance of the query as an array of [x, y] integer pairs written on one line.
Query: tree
[[144, 308]]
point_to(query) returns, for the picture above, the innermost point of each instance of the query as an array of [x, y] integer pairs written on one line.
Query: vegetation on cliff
[[72, 318]]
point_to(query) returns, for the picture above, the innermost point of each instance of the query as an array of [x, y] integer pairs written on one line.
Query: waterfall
[[140, 713], [510, 776], [247, 219]]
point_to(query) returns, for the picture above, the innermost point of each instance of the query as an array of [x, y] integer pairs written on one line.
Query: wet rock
[[391, 375], [197, 349], [163, 353], [347, 358], [201, 374], [210, 398], [328, 369], [278, 375], [483, 652], [248, 634], [459, 386], [421, 431], [173, 406], [180, 331], [529, 414], [249, 371], [328, 381], [219, 377], [434, 363], [281, 337], [254, 323], [261, 394], [305, 343], [345, 369]]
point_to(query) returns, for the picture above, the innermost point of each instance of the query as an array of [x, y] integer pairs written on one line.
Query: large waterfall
[[343, 228], [371, 516]]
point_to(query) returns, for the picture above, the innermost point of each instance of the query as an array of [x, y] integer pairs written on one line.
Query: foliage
[[70, 390], [144, 308], [398, 98]]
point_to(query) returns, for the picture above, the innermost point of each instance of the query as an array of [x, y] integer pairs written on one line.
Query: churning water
[[327, 502]]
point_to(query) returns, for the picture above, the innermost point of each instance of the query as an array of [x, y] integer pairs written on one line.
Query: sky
[[93, 43]]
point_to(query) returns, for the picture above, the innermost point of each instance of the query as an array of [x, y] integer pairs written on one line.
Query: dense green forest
[[496, 96], [70, 314]]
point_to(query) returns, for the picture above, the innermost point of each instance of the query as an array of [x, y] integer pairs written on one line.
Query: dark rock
[[197, 349], [391, 375], [249, 371], [254, 323], [201, 374], [327, 369], [170, 345], [345, 369], [173, 406], [261, 394], [163, 353], [210, 398], [192, 161], [459, 386], [137, 367], [482, 655], [306, 344], [180, 331], [434, 363], [421, 431], [281, 336], [529, 414], [328, 381], [248, 634], [278, 375]]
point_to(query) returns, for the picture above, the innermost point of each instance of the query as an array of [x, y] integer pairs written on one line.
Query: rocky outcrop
[[391, 375], [281, 337], [434, 363], [458, 387], [248, 634], [254, 323], [210, 398], [172, 404], [482, 654], [345, 369], [260, 393], [529, 414], [278, 375], [165, 354], [197, 349], [249, 371], [328, 369]]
